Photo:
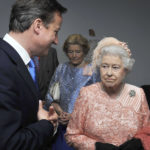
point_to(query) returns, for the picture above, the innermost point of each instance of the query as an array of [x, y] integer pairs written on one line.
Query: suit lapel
[[21, 68]]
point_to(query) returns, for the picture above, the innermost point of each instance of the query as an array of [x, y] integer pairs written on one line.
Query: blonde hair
[[76, 39]]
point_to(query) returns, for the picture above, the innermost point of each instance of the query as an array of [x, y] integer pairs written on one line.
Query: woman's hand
[[57, 108], [64, 118]]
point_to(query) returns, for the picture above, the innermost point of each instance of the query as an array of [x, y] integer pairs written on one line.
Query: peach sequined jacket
[[97, 117]]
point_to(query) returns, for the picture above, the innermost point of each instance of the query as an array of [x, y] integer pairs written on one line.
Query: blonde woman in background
[[71, 76]]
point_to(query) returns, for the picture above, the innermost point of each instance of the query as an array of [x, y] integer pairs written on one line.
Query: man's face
[[48, 36]]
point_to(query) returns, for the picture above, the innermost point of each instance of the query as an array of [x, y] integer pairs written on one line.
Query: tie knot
[[32, 71], [31, 64]]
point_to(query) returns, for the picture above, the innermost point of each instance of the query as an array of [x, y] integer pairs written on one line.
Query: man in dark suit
[[47, 66], [33, 27]]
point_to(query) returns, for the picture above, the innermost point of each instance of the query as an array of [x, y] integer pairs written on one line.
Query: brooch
[[132, 93]]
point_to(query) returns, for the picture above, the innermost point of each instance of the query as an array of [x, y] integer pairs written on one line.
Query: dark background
[[127, 20]]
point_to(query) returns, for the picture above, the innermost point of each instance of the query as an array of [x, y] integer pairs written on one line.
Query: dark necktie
[[32, 71]]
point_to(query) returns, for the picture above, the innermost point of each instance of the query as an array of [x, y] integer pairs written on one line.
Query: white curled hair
[[112, 46]]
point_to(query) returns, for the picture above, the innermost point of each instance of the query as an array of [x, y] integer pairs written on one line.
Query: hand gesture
[[53, 117], [50, 115]]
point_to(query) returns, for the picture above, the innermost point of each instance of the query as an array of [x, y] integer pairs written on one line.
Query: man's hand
[[42, 113], [50, 115], [53, 117]]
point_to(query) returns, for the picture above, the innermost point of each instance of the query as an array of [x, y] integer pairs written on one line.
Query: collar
[[19, 49]]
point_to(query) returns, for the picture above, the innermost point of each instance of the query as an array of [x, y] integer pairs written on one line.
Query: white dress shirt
[[19, 49]]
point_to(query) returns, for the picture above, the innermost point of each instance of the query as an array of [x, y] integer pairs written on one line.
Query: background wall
[[127, 20]]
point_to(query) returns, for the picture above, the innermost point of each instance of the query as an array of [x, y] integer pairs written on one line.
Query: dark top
[[146, 89], [47, 67]]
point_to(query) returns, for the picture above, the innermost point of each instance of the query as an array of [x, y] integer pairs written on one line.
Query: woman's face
[[75, 54], [112, 71]]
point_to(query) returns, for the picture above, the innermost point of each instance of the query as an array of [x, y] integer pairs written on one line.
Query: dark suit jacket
[[47, 66], [146, 89], [19, 128]]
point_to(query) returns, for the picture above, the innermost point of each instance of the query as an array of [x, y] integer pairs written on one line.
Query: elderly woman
[[109, 113], [71, 76]]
